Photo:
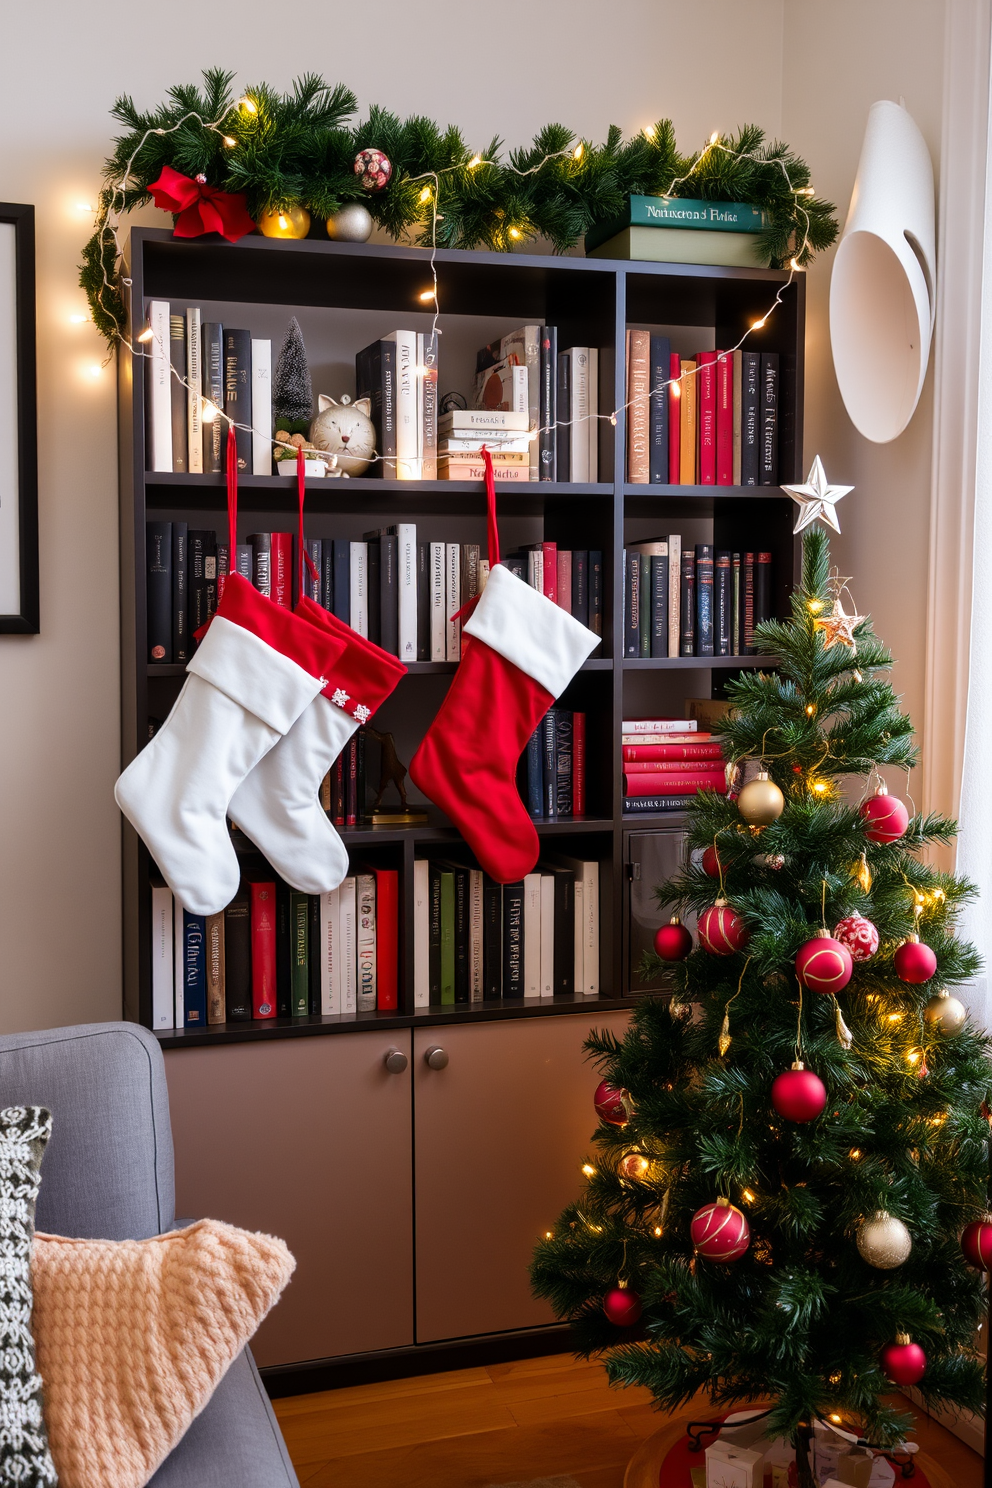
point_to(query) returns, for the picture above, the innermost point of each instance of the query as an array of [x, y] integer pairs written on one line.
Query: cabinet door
[[308, 1139], [500, 1135]]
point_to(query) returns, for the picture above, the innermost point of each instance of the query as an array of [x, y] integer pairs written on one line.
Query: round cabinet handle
[[396, 1061], [436, 1058]]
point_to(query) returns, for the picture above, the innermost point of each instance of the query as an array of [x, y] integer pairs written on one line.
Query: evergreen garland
[[299, 148]]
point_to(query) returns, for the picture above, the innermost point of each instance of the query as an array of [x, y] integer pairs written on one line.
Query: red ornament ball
[[914, 961], [824, 965], [609, 1104], [798, 1094], [720, 1232], [721, 931], [622, 1306], [886, 816], [711, 862], [373, 169], [673, 942], [904, 1362], [976, 1242], [859, 935]]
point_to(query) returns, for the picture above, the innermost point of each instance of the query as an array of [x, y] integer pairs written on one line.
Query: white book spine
[[475, 985], [407, 405], [194, 391], [579, 433], [406, 543], [359, 588], [261, 407], [159, 373], [163, 972], [349, 947], [453, 602], [532, 935], [464, 420], [330, 953], [547, 935], [421, 933], [519, 382], [674, 591], [365, 897], [483, 573], [179, 968], [578, 937], [593, 423], [535, 570], [590, 916], [439, 633]]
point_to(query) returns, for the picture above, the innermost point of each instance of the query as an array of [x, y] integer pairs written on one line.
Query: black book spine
[[644, 608], [214, 428], [180, 593], [596, 591], [762, 587], [661, 357], [434, 934], [284, 952], [563, 766], [311, 585], [492, 939], [513, 939], [198, 547], [261, 561], [342, 580], [237, 958], [373, 586], [704, 599], [158, 547], [722, 611], [327, 576], [687, 604], [750, 418], [313, 953], [387, 384], [210, 574], [463, 969], [580, 585], [389, 594], [769, 419], [423, 601], [549, 764], [564, 933], [177, 390], [659, 605], [360, 738], [548, 437], [634, 804], [351, 783], [632, 603], [237, 392], [563, 402]]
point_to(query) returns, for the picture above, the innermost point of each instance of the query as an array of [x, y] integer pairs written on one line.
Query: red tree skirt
[[675, 1468]]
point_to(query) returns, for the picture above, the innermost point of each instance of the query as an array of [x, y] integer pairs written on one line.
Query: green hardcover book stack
[[661, 229]]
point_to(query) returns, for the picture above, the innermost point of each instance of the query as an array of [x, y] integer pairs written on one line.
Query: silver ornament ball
[[884, 1241], [945, 1012], [352, 224]]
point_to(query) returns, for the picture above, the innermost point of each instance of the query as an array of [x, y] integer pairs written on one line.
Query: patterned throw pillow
[[24, 1455]]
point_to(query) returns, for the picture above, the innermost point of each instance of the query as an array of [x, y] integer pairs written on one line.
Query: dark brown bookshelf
[[344, 295]]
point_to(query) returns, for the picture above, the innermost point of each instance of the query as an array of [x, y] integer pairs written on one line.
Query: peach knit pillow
[[133, 1337]]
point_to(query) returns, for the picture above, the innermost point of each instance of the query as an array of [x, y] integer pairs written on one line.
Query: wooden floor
[[507, 1424]]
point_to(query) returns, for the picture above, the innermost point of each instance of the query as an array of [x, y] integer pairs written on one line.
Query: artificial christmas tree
[[815, 1296], [292, 390]]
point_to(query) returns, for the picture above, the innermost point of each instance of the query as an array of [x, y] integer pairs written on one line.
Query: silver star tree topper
[[817, 498]]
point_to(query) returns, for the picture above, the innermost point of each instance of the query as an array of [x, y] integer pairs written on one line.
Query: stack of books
[[476, 940], [465, 433], [678, 230], [275, 953], [553, 767], [666, 761], [398, 374], [711, 419], [691, 601]]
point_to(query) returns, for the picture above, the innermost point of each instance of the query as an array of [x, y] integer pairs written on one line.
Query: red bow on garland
[[201, 208]]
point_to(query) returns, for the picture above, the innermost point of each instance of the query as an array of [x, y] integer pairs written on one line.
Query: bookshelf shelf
[[344, 296]]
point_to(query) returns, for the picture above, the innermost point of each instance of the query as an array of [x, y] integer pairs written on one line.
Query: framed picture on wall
[[18, 424]]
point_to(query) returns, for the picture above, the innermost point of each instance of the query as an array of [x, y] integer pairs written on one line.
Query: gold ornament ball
[[884, 1241], [285, 222], [945, 1012], [761, 802]]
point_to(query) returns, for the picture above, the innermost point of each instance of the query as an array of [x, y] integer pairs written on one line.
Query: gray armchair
[[108, 1174]]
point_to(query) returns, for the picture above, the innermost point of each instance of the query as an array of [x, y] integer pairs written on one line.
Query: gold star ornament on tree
[[817, 498], [838, 627]]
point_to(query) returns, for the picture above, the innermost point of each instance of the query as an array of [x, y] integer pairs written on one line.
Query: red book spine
[[282, 569], [387, 911], [550, 551], [578, 764], [674, 420], [263, 950], [707, 417], [671, 767], [725, 419], [351, 784], [648, 783], [672, 752], [564, 592], [749, 602]]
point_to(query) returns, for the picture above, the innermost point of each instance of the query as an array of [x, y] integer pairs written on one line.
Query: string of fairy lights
[[111, 212]]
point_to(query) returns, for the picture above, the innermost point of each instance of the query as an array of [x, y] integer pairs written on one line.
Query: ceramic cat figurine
[[346, 430]]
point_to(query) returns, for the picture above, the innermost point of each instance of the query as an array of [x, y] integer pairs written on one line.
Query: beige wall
[[803, 68]]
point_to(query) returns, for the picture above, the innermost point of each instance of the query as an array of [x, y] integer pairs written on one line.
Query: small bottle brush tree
[[292, 392], [799, 1290]]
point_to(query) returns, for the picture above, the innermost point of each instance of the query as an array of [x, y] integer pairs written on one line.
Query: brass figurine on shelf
[[392, 771]]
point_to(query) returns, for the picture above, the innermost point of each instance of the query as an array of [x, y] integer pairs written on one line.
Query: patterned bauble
[[285, 222], [622, 1306], [373, 169], [976, 1243], [886, 816], [352, 224], [761, 802], [774, 861], [635, 1166], [720, 1232], [823, 964], [609, 1104], [859, 935], [904, 1362], [721, 931], [673, 941], [711, 862], [914, 961], [884, 1241], [798, 1094], [944, 1012]]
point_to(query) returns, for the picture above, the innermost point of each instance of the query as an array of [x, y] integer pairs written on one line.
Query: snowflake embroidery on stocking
[[362, 713], [339, 696]]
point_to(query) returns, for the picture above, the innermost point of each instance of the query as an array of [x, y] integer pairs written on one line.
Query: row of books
[[552, 773], [276, 953], [667, 761], [691, 601], [398, 374], [398, 592], [711, 419], [475, 939], [559, 390]]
